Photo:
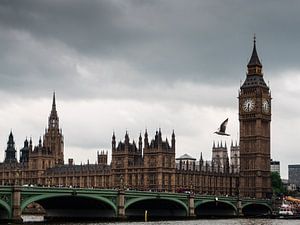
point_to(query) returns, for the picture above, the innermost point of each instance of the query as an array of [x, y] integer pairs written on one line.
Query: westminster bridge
[[121, 204]]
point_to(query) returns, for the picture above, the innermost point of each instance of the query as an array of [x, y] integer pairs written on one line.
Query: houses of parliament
[[150, 164]]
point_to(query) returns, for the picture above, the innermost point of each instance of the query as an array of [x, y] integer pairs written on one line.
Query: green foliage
[[277, 184]]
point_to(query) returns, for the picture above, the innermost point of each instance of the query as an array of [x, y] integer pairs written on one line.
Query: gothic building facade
[[150, 163]]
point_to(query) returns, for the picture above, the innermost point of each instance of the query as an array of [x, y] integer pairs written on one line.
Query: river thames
[[194, 222]]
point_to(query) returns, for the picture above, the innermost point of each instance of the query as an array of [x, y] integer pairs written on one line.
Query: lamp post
[[16, 182], [121, 182], [48, 181], [191, 186]]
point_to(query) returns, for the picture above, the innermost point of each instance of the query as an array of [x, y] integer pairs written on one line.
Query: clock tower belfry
[[255, 119]]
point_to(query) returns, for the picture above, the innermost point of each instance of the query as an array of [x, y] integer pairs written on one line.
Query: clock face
[[248, 105], [265, 106]]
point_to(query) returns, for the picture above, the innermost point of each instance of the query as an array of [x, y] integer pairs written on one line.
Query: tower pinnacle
[[254, 65], [53, 113], [53, 102], [10, 152], [53, 118]]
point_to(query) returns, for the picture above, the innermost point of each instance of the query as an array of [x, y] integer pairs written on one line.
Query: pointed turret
[[156, 136], [201, 162], [254, 74], [10, 152], [227, 165], [159, 138], [30, 143], [254, 65], [26, 143], [140, 142], [146, 141], [24, 152], [173, 141], [254, 60], [11, 142], [113, 141], [126, 138], [40, 142]]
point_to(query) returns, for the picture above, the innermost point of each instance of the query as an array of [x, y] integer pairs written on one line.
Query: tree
[[277, 184]]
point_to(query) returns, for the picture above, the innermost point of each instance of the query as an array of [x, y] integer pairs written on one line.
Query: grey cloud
[[168, 53], [164, 41]]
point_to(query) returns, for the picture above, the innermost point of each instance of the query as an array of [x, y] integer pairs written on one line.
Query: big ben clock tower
[[255, 119]]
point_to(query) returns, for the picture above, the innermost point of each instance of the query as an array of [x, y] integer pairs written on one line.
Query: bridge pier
[[239, 208], [16, 205], [121, 205], [191, 213]]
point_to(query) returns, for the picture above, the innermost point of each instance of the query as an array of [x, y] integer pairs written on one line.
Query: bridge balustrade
[[124, 203]]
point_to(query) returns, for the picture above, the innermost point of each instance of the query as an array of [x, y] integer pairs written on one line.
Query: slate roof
[[254, 81], [254, 60]]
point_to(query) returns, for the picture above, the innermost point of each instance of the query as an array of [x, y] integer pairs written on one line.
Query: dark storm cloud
[[130, 64], [164, 41]]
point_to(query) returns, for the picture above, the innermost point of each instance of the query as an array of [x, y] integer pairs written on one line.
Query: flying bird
[[222, 129]]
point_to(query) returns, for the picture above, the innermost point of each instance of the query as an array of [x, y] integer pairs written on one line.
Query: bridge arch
[[256, 209], [5, 210], [156, 207], [208, 208], [62, 198]]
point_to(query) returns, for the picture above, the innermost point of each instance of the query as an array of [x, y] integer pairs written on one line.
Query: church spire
[[53, 110], [53, 118], [53, 102], [254, 65]]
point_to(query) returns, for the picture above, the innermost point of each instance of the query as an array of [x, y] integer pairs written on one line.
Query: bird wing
[[223, 126]]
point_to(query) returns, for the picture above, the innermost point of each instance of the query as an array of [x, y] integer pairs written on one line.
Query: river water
[[196, 222]]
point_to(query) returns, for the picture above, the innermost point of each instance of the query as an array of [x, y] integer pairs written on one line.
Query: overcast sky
[[120, 65]]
